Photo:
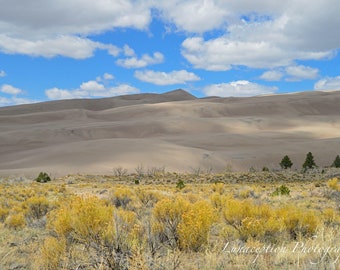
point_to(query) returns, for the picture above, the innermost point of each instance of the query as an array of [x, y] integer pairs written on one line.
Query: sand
[[174, 130]]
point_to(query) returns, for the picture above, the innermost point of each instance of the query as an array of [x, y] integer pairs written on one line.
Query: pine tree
[[336, 162], [286, 162], [309, 162]]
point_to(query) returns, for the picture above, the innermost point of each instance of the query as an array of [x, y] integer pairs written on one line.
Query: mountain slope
[[175, 130]]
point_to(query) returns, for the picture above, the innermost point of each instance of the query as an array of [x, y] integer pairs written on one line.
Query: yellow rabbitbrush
[[83, 219], [182, 224], [193, 231]]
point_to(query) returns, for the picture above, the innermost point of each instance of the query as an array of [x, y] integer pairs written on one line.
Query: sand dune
[[174, 130]]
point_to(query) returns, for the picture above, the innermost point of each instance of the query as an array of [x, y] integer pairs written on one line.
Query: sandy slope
[[175, 130]]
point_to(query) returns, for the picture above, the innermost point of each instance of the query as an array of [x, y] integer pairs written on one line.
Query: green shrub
[[282, 190], [265, 169], [43, 178], [180, 184]]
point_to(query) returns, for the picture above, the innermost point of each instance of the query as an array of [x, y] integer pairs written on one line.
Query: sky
[[65, 49]]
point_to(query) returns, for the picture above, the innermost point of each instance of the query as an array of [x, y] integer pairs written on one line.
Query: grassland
[[159, 220]]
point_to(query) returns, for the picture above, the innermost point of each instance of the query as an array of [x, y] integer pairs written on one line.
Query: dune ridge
[[175, 130]]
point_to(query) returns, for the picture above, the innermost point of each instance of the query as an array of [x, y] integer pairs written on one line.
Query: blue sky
[[57, 49]]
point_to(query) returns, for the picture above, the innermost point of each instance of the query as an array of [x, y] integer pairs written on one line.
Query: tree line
[[309, 163]]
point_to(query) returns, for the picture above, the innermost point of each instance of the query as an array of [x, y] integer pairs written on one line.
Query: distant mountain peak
[[179, 94]]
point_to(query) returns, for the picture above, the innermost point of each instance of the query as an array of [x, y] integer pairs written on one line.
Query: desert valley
[[174, 130]]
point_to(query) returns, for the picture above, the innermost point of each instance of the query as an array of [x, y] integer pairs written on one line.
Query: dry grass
[[217, 221]]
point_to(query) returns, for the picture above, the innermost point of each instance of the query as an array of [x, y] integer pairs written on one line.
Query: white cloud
[[224, 52], [83, 17], [263, 35], [111, 49], [9, 89], [92, 89], [18, 100], [108, 76], [277, 23], [163, 78], [256, 34], [238, 89], [291, 73], [272, 75], [193, 15], [301, 73], [328, 84], [145, 60], [2, 73], [51, 28], [132, 61], [5, 101], [13, 99], [69, 46], [122, 89], [128, 51], [57, 93], [92, 86]]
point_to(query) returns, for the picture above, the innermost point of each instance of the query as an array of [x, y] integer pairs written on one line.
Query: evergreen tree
[[336, 162], [309, 162], [43, 178], [286, 162]]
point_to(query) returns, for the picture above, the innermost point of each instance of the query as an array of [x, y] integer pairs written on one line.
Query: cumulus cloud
[[10, 101], [193, 15], [92, 86], [291, 73], [257, 36], [223, 53], [9, 89], [12, 96], [240, 88], [122, 89], [108, 76], [101, 87], [272, 75], [72, 17], [328, 84], [145, 60], [60, 27], [301, 72], [163, 78], [57, 93], [4, 101], [128, 51], [2, 73], [68, 46]]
